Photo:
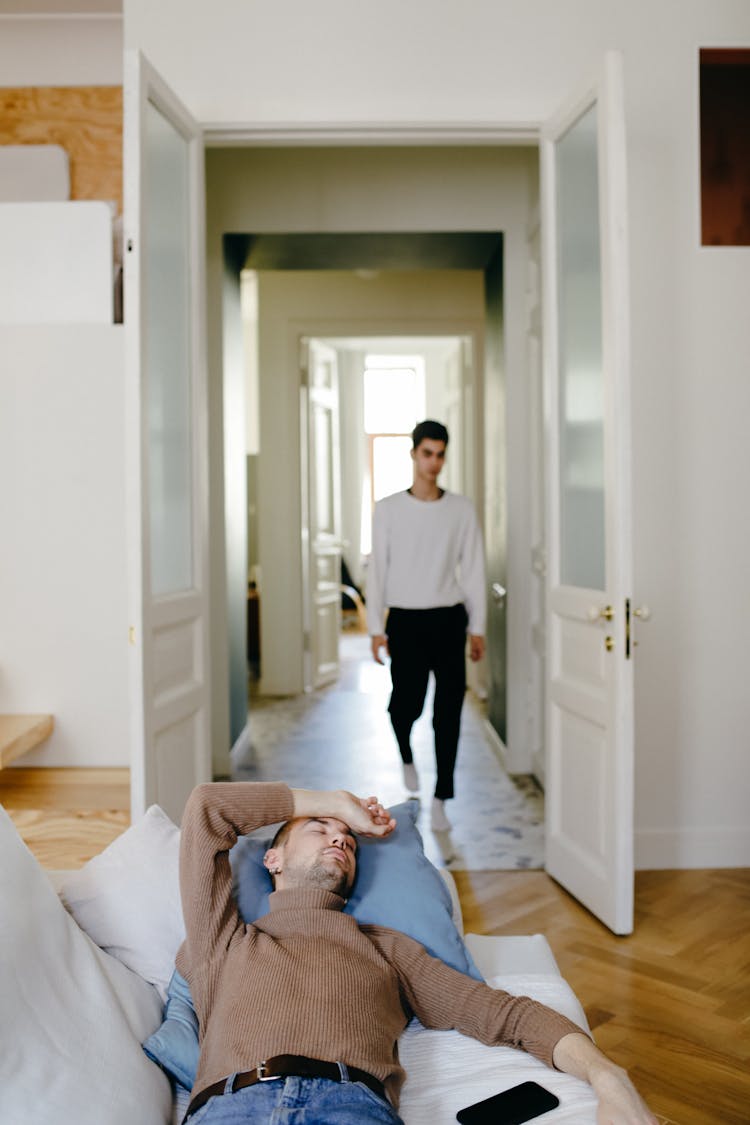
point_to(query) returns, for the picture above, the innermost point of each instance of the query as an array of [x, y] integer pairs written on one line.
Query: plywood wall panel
[[85, 120]]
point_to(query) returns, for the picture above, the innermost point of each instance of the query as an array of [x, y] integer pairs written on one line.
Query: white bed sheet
[[447, 1071]]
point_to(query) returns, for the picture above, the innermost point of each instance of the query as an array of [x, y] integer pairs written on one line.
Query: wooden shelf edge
[[21, 733]]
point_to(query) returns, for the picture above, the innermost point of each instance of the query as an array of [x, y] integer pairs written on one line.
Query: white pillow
[[127, 898], [72, 1019]]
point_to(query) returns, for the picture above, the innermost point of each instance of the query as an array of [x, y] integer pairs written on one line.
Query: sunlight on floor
[[340, 737]]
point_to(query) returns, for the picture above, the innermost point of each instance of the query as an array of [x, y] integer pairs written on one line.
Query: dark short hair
[[280, 836], [281, 833], [435, 431]]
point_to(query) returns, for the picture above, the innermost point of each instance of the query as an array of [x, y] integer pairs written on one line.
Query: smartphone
[[510, 1107]]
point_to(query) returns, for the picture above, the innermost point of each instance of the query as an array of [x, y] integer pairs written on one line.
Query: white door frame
[[469, 133]]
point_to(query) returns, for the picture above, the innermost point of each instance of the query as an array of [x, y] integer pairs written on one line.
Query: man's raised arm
[[364, 815], [216, 814]]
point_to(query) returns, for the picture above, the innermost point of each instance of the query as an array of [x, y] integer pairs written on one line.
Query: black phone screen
[[511, 1107]]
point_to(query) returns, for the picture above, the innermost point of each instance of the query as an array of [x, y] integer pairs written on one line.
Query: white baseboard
[[539, 767], [241, 753], [657, 849], [497, 744]]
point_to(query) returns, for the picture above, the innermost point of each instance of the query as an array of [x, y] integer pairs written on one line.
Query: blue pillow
[[396, 886], [174, 1045]]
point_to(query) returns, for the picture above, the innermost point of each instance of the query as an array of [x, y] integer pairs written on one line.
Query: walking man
[[427, 573]]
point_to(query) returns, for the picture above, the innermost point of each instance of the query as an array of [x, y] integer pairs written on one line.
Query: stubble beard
[[325, 877]]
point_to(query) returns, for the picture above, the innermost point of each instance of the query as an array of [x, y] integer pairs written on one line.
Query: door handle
[[596, 613], [643, 613], [498, 593]]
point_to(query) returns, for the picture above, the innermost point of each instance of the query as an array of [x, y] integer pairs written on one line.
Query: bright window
[[394, 401], [394, 396], [390, 458]]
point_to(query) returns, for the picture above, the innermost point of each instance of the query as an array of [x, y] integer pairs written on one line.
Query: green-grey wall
[[496, 530]]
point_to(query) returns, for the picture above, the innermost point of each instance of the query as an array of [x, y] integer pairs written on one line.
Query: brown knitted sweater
[[307, 979]]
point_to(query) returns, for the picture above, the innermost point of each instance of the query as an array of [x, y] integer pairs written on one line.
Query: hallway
[[340, 737]]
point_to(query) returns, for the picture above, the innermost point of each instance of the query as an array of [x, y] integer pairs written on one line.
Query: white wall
[[295, 303], [63, 590], [63, 579], [512, 63], [83, 50]]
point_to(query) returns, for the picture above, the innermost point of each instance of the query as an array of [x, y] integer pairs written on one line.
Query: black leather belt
[[283, 1066]]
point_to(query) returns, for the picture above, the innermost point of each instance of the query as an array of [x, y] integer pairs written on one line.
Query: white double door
[[589, 720], [589, 612], [167, 444]]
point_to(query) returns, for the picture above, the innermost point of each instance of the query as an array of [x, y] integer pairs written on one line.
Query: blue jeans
[[298, 1101]]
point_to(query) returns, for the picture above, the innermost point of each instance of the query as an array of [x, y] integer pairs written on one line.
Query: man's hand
[[619, 1101], [476, 646], [376, 643], [364, 815]]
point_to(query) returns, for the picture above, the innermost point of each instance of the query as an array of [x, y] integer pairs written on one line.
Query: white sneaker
[[438, 820], [411, 777]]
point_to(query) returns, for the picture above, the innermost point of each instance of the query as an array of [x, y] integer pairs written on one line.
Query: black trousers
[[421, 641]]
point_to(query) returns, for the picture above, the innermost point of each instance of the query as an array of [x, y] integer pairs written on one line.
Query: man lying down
[[300, 1012]]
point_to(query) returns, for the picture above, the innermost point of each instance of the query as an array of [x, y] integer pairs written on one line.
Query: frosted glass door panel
[[168, 356], [582, 556]]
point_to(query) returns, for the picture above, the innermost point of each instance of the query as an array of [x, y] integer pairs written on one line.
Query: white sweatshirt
[[425, 554]]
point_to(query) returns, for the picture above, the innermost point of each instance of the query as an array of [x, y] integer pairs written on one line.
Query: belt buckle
[[263, 1077]]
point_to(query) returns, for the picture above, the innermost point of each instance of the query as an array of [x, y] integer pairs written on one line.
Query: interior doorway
[[444, 312], [361, 398], [464, 196], [464, 292]]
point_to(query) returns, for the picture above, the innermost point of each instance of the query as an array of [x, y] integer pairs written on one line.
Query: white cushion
[[529, 953], [71, 1018], [450, 883], [447, 1071], [127, 898]]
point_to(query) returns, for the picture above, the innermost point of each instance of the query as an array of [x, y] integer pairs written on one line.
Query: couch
[[88, 959]]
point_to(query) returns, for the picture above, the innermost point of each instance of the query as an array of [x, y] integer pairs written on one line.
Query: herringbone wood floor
[[671, 1002]]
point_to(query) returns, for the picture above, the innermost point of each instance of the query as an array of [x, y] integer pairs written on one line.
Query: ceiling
[[463, 250]]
